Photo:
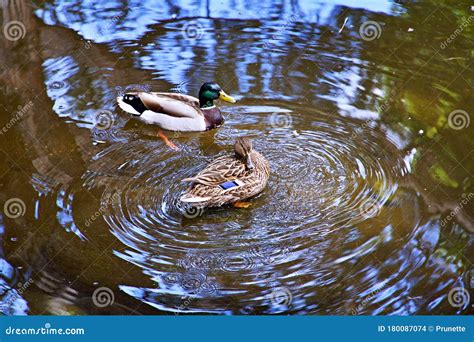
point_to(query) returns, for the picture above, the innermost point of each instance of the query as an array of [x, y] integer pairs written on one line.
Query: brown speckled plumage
[[206, 191]]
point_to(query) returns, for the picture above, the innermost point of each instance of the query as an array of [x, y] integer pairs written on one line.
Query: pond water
[[362, 111]]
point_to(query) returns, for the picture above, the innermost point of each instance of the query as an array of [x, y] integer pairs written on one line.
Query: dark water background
[[362, 110]]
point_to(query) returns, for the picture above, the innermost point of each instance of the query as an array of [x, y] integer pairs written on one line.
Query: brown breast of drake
[[213, 117]]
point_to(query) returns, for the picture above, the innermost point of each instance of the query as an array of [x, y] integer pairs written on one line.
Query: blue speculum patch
[[228, 185]]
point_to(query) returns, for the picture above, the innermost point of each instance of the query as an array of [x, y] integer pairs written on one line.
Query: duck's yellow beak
[[223, 96]]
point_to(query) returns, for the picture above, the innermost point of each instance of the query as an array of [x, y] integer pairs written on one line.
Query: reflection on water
[[368, 209]]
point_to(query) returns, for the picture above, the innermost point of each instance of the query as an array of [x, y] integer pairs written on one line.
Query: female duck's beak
[[249, 163], [223, 96]]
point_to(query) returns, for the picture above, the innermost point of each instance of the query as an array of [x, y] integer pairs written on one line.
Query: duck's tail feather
[[131, 103]]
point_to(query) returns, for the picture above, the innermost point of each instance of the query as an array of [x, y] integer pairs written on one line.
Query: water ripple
[[327, 204]]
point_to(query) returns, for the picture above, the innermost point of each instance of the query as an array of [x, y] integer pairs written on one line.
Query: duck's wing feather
[[162, 104], [222, 170], [180, 97], [167, 105]]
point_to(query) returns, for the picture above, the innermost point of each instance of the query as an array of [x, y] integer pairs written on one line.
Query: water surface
[[363, 112]]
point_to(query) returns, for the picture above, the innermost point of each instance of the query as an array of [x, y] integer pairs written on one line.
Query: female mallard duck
[[229, 179], [177, 112]]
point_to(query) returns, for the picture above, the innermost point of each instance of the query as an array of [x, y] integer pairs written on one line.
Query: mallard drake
[[177, 112], [229, 179]]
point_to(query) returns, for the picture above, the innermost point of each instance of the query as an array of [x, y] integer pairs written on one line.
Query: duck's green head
[[211, 91]]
